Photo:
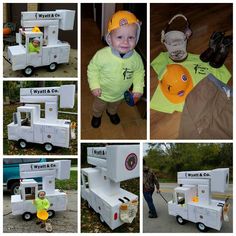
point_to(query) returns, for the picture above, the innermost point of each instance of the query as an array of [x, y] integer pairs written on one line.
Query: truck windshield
[[180, 198], [34, 45], [29, 193], [25, 118]]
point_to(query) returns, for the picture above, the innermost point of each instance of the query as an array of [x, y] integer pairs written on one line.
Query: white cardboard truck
[[29, 127], [192, 198], [101, 184], [51, 50], [22, 204]]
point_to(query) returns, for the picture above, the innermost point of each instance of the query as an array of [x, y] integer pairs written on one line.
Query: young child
[[41, 203], [114, 69], [34, 45]]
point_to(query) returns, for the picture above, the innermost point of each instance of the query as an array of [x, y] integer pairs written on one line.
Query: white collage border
[[79, 113]]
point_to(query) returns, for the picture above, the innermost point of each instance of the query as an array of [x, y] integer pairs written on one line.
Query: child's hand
[[137, 95], [97, 92]]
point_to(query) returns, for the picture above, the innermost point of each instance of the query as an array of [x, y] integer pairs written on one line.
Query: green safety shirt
[[41, 204], [197, 69], [32, 48], [114, 75]]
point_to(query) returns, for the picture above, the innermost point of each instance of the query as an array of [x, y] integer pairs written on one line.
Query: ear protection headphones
[[187, 30]]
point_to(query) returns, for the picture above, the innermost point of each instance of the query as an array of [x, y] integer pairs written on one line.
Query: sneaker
[[96, 122], [115, 119]]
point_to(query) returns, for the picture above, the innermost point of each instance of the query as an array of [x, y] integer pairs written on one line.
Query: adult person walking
[[149, 183]]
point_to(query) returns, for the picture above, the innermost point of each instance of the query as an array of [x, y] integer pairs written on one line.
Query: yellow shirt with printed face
[[114, 75]]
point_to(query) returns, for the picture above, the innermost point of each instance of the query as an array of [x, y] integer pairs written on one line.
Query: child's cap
[[40, 191], [121, 18], [36, 39]]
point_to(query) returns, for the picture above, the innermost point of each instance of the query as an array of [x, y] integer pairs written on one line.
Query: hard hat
[[176, 83], [42, 215], [121, 18], [36, 29]]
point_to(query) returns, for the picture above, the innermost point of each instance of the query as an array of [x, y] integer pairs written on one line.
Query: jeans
[[148, 198]]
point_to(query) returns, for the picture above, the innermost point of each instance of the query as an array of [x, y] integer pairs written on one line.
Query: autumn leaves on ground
[[12, 148], [90, 222]]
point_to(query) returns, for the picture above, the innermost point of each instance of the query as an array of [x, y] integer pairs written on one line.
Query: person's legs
[[148, 198], [98, 107], [112, 109]]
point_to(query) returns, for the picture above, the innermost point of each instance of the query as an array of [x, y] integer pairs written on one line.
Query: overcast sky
[[145, 147]]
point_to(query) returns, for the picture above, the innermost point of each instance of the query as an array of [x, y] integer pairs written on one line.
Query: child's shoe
[[96, 122], [223, 50], [214, 42], [115, 119]]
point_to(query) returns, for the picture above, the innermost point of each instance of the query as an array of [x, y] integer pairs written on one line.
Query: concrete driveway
[[62, 222], [167, 224]]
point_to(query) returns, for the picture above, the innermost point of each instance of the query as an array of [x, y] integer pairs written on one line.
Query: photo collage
[[117, 117]]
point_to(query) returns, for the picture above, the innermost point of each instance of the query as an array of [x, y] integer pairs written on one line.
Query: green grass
[[70, 184], [11, 147]]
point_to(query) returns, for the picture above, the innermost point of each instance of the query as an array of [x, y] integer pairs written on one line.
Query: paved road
[[166, 223], [63, 222]]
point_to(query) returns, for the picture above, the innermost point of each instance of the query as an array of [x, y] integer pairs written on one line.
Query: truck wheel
[[28, 71], [201, 227], [180, 220], [51, 213], [52, 67], [15, 188], [48, 147], [27, 216], [22, 143]]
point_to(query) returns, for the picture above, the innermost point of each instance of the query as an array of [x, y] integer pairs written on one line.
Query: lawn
[[12, 148], [70, 184]]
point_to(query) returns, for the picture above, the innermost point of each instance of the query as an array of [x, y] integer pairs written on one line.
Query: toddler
[[114, 69], [41, 203], [34, 46]]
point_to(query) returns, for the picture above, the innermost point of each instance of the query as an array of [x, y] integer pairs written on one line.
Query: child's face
[[35, 43], [41, 195], [123, 39]]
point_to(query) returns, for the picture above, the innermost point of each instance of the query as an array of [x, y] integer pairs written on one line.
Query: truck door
[[34, 51], [26, 126]]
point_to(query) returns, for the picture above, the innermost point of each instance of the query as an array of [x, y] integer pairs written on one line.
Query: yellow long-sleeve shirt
[[114, 75]]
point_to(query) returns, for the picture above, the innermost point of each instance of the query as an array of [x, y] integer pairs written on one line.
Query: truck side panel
[[178, 209], [56, 135], [38, 133]]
